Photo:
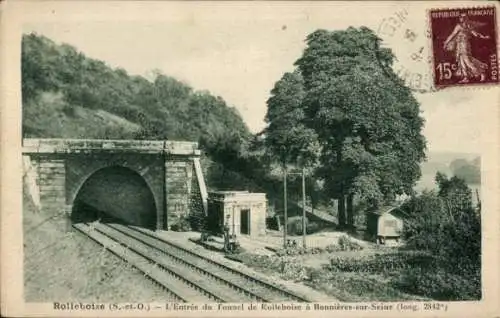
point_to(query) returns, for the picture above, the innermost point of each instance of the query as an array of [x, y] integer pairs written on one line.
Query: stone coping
[[36, 145], [236, 196]]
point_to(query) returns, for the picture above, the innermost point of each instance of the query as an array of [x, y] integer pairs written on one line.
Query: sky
[[239, 50]]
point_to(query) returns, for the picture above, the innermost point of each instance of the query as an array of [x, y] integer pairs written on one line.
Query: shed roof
[[389, 209], [233, 196]]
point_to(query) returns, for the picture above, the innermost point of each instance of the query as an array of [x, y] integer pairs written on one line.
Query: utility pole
[[233, 222], [284, 207], [304, 231]]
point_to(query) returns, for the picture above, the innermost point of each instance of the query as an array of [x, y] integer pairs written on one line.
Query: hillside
[[50, 116], [66, 94]]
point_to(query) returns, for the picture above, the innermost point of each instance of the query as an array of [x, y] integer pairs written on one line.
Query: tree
[[365, 120], [469, 171], [287, 136], [455, 192], [446, 224]]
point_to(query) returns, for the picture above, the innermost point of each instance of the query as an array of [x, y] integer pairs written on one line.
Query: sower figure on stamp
[[460, 42]]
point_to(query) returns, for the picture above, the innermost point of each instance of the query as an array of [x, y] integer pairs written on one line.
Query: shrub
[[182, 225], [381, 263], [346, 244], [312, 227], [316, 275], [272, 223], [294, 225], [293, 270], [292, 251], [238, 249], [440, 284]]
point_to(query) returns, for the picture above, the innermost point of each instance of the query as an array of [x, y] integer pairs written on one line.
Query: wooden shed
[[386, 223], [243, 211]]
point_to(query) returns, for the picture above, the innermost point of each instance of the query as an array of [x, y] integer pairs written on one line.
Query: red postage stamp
[[464, 46]]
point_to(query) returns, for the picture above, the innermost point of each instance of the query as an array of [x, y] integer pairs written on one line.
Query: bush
[[238, 249], [182, 225], [294, 225], [272, 223], [288, 269], [440, 284], [315, 275], [345, 244], [293, 270], [312, 227], [381, 263]]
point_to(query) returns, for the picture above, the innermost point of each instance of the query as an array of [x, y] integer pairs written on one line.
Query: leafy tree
[[456, 195], [345, 95], [469, 171], [445, 223], [287, 136]]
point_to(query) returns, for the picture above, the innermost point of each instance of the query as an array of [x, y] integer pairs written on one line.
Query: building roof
[[389, 209], [241, 196]]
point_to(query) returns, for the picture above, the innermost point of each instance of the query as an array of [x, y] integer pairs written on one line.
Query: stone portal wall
[[177, 188], [196, 204], [30, 181], [169, 168], [51, 182], [185, 192]]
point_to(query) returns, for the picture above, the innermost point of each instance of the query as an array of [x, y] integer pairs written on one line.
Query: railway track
[[185, 274]]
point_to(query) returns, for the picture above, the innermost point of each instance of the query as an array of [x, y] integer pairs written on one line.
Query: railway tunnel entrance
[[115, 194]]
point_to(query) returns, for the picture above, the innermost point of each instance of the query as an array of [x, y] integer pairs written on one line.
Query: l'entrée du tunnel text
[[239, 307]]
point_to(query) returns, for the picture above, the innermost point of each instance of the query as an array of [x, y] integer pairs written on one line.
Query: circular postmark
[[409, 44]]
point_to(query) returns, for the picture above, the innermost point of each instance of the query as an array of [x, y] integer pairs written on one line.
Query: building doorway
[[245, 221]]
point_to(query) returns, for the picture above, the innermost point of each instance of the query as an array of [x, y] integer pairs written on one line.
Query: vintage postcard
[[249, 159]]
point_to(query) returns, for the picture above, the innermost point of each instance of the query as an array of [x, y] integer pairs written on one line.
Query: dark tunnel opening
[[115, 195]]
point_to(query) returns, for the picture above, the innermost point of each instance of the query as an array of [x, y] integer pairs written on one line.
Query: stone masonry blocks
[[60, 167]]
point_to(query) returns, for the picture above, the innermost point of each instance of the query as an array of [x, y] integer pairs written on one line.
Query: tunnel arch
[[118, 194]]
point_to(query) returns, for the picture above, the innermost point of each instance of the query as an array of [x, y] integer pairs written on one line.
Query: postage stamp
[[464, 46]]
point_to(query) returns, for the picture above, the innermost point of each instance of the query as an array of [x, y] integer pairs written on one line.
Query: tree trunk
[[341, 199], [350, 211], [341, 211]]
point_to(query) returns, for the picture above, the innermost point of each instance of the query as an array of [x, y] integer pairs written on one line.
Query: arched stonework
[[150, 167], [115, 194], [61, 167]]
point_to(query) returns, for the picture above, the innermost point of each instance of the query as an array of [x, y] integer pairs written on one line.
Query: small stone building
[[386, 223], [244, 212]]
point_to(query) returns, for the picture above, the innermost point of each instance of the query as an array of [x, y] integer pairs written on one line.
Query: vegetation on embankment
[[339, 278], [62, 266], [163, 108], [441, 259]]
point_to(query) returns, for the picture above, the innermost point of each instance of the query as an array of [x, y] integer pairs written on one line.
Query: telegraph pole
[[304, 231], [284, 207]]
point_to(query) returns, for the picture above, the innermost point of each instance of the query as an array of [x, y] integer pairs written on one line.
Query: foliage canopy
[[344, 111]]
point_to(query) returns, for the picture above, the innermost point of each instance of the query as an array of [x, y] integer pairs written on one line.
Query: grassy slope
[[66, 266], [51, 116]]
